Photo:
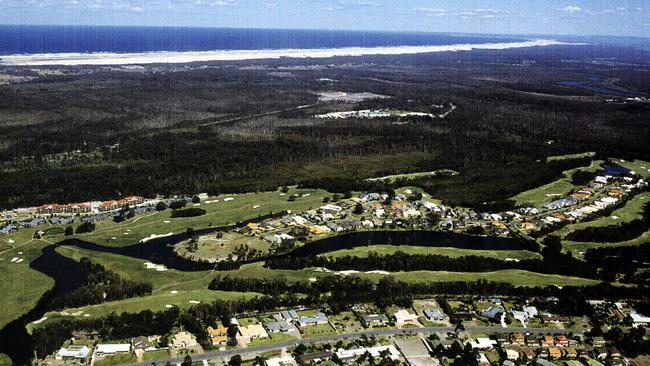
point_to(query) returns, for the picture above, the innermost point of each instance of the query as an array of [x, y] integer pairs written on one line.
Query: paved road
[[336, 337], [241, 118]]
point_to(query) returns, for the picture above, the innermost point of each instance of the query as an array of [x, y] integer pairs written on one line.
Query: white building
[[111, 349], [348, 354], [403, 317]]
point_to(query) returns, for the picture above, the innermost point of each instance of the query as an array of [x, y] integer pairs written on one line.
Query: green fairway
[[158, 301], [4, 360], [241, 207], [631, 211], [580, 247], [548, 192], [134, 269], [641, 167], [448, 252], [20, 285], [513, 276]]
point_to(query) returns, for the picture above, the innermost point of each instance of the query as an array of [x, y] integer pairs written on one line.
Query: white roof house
[[111, 349], [281, 361], [403, 316], [483, 343], [639, 319], [74, 352], [347, 354], [331, 209]]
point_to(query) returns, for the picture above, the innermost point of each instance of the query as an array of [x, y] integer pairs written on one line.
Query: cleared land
[[449, 252], [588, 154], [408, 176]]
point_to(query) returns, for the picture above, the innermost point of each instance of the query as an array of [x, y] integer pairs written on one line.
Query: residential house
[[350, 354], [483, 343], [493, 313], [103, 350], [253, 331], [598, 341], [638, 319], [281, 326], [218, 335], [434, 314], [317, 319], [374, 320], [562, 340], [570, 352], [601, 353], [512, 354], [403, 317], [519, 339], [547, 341], [528, 353], [184, 340], [314, 358], [281, 361], [543, 362], [554, 352], [79, 354]]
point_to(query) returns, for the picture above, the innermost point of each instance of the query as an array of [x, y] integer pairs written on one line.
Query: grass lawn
[[212, 248], [4, 360], [155, 355], [273, 338], [116, 360], [561, 187], [639, 166], [577, 247], [318, 330], [448, 252]]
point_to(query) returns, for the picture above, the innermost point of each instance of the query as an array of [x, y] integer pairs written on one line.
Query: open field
[[579, 247], [588, 154], [449, 252], [548, 192]]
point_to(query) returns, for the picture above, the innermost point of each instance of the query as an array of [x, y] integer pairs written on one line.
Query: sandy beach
[[73, 59]]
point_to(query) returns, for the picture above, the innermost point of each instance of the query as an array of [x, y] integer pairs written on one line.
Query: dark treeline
[[100, 284], [555, 263], [632, 343], [614, 233], [622, 259], [188, 212]]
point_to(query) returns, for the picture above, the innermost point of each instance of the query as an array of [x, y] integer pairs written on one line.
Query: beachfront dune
[[72, 59]]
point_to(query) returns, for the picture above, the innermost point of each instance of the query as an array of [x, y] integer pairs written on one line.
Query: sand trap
[[615, 217], [378, 272], [14, 259], [113, 238], [194, 302], [155, 236], [157, 267], [10, 241], [228, 199], [313, 279], [86, 315], [213, 201], [166, 222], [282, 194], [197, 204], [512, 260], [173, 292], [39, 321], [168, 306], [408, 191], [347, 273], [77, 313], [256, 206], [306, 195], [65, 313], [20, 260], [321, 269], [20, 252]]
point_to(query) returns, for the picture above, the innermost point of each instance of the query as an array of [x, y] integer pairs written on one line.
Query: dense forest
[[95, 134]]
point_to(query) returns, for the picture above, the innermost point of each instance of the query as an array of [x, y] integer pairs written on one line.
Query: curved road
[[378, 333]]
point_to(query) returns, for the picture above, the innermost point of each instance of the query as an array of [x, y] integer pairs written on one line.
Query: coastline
[[105, 59]]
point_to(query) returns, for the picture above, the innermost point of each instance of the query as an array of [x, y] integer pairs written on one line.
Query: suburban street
[[336, 337]]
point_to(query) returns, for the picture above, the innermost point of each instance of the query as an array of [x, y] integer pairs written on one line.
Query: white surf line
[[73, 59]]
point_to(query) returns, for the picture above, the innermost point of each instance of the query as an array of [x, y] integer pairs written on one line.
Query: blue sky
[[578, 17]]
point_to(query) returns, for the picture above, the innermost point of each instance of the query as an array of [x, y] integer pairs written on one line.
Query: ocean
[[27, 40]]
